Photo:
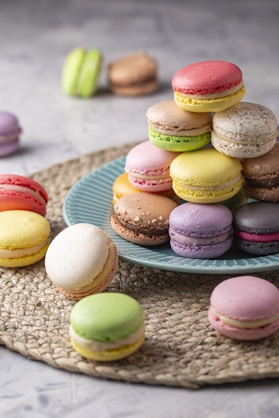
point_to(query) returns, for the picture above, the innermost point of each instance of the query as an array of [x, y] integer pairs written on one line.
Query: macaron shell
[[148, 167], [81, 260], [22, 193], [178, 143], [200, 231], [166, 117], [25, 234], [89, 75], [206, 176], [261, 176], [242, 334], [207, 77], [257, 217], [9, 125], [109, 355], [246, 130], [133, 75], [143, 218], [203, 104], [245, 298], [106, 316], [81, 72], [100, 282], [9, 148]]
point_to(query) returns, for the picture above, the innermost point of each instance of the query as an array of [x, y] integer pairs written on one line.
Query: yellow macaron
[[206, 176], [24, 238]]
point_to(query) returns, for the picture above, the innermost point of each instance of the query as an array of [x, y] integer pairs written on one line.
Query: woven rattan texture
[[180, 348]]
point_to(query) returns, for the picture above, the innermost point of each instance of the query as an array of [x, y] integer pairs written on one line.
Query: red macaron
[[22, 193]]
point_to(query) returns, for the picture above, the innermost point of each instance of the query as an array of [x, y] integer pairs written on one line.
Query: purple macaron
[[9, 133], [200, 230]]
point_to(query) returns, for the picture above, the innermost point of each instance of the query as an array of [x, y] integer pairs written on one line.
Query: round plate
[[90, 200]]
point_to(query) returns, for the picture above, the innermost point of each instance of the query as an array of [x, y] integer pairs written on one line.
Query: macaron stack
[[209, 148], [24, 229]]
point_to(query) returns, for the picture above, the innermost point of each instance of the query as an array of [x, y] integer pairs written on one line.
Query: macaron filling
[[248, 236], [97, 345], [244, 324], [20, 190]]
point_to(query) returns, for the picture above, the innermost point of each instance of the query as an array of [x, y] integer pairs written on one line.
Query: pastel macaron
[[24, 238], [200, 231], [245, 308], [148, 167], [261, 176], [81, 260], [133, 75], [256, 228], [175, 129], [122, 186], [20, 192], [81, 71], [10, 131], [208, 86], [142, 218], [106, 327], [206, 176], [246, 130]]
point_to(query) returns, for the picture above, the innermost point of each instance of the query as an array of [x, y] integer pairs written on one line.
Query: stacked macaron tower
[[206, 147], [214, 152]]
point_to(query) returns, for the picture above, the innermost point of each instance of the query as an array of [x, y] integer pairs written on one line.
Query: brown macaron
[[261, 176], [143, 218], [133, 75]]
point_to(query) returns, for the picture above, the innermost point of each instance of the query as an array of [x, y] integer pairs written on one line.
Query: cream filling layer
[[218, 186], [93, 345], [245, 324], [245, 141], [22, 252], [173, 131], [22, 189], [214, 95]]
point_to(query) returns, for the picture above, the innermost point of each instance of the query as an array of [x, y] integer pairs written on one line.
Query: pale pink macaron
[[148, 167], [245, 308]]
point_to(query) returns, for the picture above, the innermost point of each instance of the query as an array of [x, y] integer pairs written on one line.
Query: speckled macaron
[[246, 130], [143, 218]]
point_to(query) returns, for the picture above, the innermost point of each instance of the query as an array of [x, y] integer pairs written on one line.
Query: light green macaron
[[107, 326], [81, 72], [174, 129]]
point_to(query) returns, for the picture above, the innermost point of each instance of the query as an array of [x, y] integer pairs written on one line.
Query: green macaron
[[107, 326], [81, 72]]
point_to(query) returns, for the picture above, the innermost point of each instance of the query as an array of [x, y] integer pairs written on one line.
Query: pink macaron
[[208, 86], [245, 308], [22, 193], [148, 167], [9, 133]]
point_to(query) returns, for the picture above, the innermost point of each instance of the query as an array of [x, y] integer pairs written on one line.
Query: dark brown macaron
[[133, 75], [142, 218], [261, 176]]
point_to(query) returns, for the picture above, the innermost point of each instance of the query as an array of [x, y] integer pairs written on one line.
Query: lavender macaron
[[9, 133], [200, 230]]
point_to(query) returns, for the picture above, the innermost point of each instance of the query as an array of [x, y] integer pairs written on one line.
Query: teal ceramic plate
[[90, 200]]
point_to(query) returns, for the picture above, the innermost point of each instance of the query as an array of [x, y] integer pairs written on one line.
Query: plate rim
[[228, 266]]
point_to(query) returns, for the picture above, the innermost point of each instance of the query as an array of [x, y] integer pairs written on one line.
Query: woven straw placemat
[[180, 348]]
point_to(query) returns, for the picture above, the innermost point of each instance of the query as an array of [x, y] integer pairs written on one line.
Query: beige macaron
[[133, 75]]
